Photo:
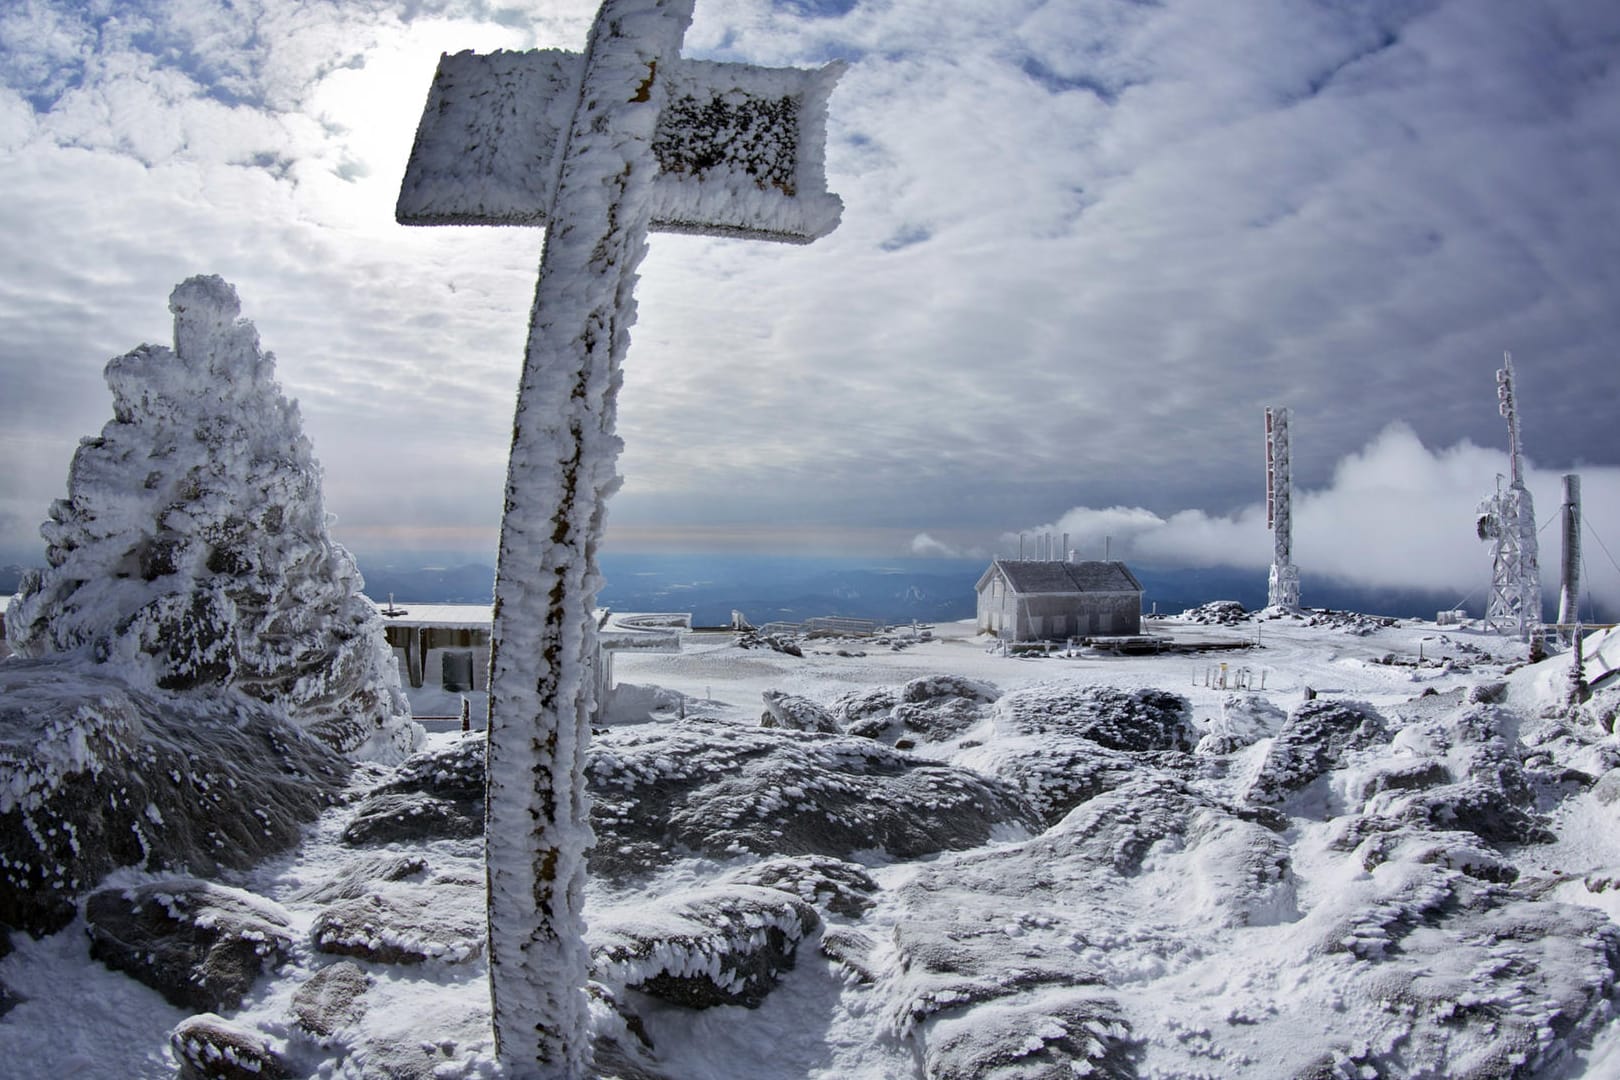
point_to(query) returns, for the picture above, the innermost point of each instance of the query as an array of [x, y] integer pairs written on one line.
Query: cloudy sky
[[1085, 243]]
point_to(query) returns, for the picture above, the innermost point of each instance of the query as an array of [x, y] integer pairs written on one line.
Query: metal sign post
[[600, 147]]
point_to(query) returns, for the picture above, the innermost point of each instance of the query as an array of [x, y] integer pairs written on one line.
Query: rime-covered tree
[[191, 553]]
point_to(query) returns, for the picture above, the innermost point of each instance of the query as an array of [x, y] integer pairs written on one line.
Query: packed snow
[[1399, 858]]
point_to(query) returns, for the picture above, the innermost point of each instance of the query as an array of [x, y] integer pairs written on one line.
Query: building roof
[[1040, 576], [439, 616], [649, 632]]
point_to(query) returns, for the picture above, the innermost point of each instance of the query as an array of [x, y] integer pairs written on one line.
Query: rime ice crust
[[191, 552]]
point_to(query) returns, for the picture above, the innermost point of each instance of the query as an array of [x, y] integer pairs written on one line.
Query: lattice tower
[[1508, 521]]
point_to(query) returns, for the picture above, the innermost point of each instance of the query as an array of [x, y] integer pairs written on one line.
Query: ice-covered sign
[[739, 148], [600, 148]]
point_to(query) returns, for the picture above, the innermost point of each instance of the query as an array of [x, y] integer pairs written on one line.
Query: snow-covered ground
[[1206, 942]]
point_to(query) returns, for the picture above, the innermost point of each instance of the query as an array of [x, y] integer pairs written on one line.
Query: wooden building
[[447, 645], [444, 644], [1041, 600]]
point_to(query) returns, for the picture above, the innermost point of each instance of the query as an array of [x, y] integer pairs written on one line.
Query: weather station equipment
[[1507, 521]]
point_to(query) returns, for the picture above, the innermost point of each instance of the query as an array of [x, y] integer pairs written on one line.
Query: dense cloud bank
[[1194, 210]]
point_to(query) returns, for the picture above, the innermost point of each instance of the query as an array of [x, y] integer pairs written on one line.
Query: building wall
[[1058, 616], [996, 608], [420, 651]]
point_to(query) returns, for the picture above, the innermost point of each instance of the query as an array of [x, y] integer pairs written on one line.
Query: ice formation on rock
[[192, 554]]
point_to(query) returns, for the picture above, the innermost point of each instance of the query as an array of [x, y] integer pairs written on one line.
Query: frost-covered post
[[599, 147]]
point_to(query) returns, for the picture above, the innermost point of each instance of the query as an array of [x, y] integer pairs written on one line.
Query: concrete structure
[[1053, 600]]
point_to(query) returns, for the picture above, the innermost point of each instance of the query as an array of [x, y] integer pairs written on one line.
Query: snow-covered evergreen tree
[[192, 554]]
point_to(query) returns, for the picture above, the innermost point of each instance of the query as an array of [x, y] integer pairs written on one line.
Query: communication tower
[[1283, 590], [1507, 520]]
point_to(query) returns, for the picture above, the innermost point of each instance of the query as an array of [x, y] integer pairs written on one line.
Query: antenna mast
[[1569, 595], [1283, 590], [1508, 521]]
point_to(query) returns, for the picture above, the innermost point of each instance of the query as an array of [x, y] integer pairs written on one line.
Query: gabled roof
[[1038, 576]]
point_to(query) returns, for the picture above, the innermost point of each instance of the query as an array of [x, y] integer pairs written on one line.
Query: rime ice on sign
[[601, 148], [740, 149]]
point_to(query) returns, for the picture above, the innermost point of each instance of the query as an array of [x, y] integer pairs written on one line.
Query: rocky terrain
[[937, 862]]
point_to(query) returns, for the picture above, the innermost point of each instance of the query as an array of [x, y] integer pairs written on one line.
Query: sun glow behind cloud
[[1084, 241]]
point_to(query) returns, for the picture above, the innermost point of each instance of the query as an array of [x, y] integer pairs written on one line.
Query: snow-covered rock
[[1382, 919], [96, 775], [1244, 720], [1054, 1035], [724, 945], [1313, 741], [1061, 744], [442, 921], [775, 642], [1457, 975], [834, 885], [931, 709], [199, 944], [209, 1047], [1027, 938], [1461, 771], [795, 713], [331, 999], [623, 1050], [192, 554], [1136, 721], [1216, 613], [1057, 773], [717, 789], [360, 877], [706, 787], [391, 817], [439, 793]]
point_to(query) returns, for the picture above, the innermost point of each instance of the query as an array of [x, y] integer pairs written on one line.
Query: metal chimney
[[1569, 596]]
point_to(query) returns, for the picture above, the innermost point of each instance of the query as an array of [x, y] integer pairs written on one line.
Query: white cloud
[[1084, 242], [1396, 515], [930, 547]]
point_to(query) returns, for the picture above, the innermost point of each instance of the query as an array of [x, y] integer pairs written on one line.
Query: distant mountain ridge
[[792, 588]]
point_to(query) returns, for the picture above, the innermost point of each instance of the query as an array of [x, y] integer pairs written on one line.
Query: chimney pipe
[[1569, 595]]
